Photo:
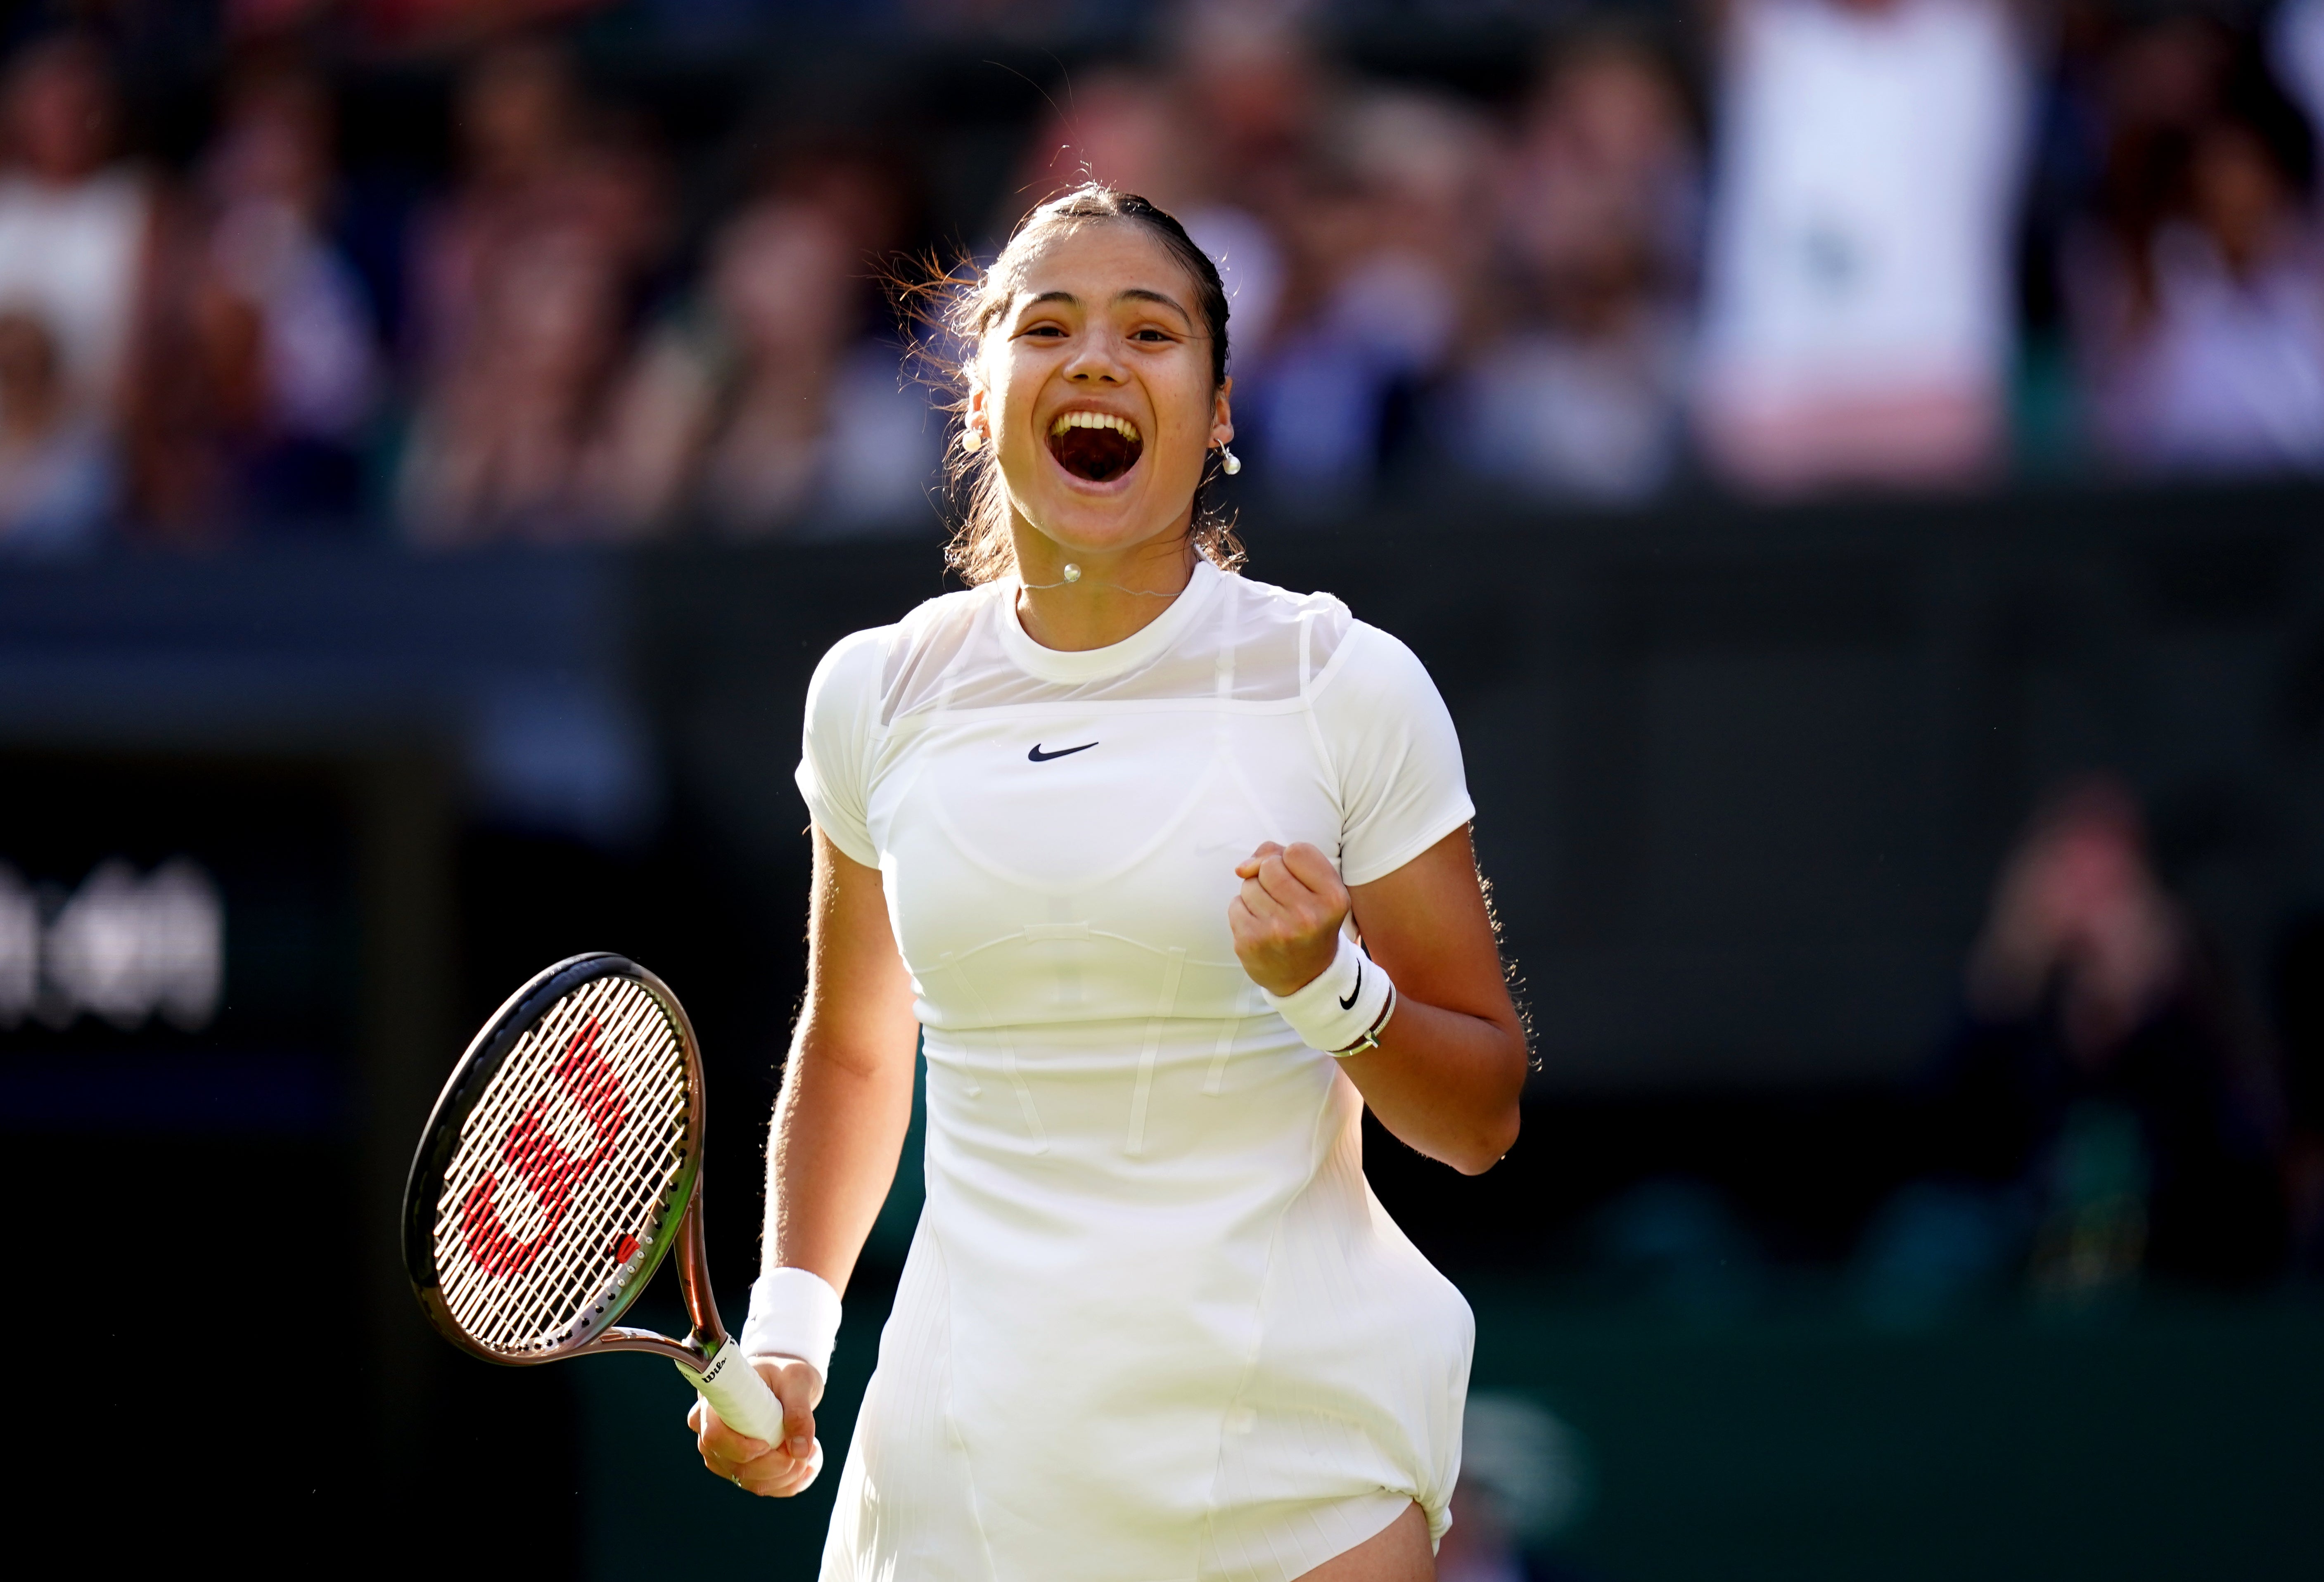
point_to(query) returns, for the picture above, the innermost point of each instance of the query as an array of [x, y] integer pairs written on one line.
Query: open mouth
[[1096, 446]]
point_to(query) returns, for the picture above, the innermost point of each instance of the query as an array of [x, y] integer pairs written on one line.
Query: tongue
[[1098, 454]]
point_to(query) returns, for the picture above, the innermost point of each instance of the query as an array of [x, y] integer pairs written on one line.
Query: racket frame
[[680, 1232]]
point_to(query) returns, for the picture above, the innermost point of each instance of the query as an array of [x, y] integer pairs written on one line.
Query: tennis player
[[1172, 870]]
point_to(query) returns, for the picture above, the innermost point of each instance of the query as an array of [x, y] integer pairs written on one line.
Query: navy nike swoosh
[[1039, 756], [1349, 1004]]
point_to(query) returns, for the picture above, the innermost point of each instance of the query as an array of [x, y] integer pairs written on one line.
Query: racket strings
[[587, 1119], [539, 1304]]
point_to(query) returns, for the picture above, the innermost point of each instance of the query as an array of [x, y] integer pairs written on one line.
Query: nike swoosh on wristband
[[1349, 1004], [1039, 756]]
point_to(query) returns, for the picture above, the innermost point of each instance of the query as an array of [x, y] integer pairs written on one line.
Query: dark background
[[1742, 779]]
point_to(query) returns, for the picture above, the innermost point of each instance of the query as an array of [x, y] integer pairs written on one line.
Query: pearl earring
[[1229, 463], [972, 437], [1072, 572]]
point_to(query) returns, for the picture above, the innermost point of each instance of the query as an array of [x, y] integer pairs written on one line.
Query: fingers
[[1248, 866], [720, 1443], [1290, 874], [1313, 870], [799, 1387], [775, 1471], [1287, 914], [752, 1465], [777, 1475], [1298, 883]]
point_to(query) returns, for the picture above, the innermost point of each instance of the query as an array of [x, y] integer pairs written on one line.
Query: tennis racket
[[562, 1162]]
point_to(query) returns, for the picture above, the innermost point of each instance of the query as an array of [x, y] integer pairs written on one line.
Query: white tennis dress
[[1154, 1325]]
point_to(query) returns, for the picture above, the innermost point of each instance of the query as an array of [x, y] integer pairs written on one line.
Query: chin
[[1108, 523]]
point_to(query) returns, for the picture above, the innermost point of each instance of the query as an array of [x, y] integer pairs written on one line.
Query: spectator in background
[[536, 158], [58, 475], [1390, 239], [1578, 389], [2296, 51], [1150, 137], [74, 224], [2200, 319], [260, 366], [2107, 1070], [526, 287], [1858, 316], [514, 438], [766, 406], [1248, 90]]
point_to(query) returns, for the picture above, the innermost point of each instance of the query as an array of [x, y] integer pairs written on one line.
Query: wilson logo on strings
[[552, 1173]]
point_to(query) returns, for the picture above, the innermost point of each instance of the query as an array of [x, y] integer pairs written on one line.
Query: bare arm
[[839, 1127], [1452, 1062], [847, 1090]]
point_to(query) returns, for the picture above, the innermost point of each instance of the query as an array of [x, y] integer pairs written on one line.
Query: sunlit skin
[[1103, 319]]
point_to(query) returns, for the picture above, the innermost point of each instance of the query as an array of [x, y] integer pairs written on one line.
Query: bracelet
[[794, 1313], [1343, 1011]]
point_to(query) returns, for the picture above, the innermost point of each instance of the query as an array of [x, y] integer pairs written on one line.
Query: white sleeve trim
[[866, 856], [1448, 819]]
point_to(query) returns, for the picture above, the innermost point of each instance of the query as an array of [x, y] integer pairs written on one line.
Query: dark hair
[[958, 308]]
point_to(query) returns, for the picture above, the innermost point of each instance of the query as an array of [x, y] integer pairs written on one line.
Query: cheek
[[1186, 411], [1008, 393]]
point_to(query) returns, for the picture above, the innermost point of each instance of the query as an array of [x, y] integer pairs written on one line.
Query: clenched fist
[[777, 1471], [1286, 918]]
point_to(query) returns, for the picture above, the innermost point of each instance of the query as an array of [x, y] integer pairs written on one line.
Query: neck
[[1118, 594]]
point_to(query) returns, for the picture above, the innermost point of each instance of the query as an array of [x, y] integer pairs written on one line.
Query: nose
[[1097, 359]]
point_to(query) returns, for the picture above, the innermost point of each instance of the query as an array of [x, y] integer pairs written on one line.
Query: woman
[[1096, 824]]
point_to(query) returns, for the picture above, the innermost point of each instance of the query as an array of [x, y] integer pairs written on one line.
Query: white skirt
[[1192, 1346]]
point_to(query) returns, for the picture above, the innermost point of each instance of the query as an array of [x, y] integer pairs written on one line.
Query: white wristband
[[794, 1313], [1342, 1011]]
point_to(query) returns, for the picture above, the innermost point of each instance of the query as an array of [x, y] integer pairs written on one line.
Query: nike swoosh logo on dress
[[1349, 1004], [1039, 756]]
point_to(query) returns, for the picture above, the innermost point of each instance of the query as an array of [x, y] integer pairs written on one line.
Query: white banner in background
[[120, 947]]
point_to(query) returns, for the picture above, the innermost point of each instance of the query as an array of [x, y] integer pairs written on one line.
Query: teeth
[[1121, 426]]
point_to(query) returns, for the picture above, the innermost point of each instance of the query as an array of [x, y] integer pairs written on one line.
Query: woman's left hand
[[1287, 919]]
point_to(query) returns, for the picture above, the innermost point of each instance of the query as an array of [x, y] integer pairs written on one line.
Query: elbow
[[1491, 1144]]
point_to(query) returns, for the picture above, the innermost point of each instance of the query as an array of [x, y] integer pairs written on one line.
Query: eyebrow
[[1134, 294]]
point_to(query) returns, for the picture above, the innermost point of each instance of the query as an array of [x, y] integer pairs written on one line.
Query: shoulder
[[1266, 602], [1341, 654], [1317, 624], [1372, 665], [851, 664], [872, 668]]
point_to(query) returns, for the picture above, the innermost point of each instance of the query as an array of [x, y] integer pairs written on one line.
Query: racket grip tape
[[738, 1395]]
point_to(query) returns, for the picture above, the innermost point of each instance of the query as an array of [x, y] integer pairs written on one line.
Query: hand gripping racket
[[563, 1160]]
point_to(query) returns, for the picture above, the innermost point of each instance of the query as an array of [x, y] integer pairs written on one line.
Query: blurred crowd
[[1777, 247]]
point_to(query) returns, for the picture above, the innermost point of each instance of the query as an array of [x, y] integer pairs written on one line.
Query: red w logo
[[553, 1175]]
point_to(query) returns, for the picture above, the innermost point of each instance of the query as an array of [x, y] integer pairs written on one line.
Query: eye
[[1153, 335]]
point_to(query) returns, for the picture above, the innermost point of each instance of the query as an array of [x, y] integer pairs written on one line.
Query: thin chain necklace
[[1074, 575]]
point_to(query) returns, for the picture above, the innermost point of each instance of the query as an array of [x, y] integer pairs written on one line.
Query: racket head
[[559, 1164]]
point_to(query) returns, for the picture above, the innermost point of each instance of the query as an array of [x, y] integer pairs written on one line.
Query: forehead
[[1096, 261]]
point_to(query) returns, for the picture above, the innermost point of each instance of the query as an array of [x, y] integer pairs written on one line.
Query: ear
[[976, 422], [1222, 414]]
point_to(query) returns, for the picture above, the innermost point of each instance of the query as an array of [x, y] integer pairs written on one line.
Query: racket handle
[[738, 1395]]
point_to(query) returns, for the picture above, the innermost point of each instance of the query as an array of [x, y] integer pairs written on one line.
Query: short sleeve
[[834, 757], [1387, 734]]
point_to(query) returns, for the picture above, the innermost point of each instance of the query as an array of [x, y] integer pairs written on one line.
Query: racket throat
[[690, 1353], [703, 1349]]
